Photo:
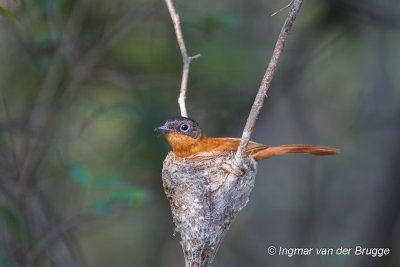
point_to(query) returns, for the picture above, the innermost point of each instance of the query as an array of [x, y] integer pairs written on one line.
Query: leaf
[[99, 207], [209, 24], [7, 14], [79, 175]]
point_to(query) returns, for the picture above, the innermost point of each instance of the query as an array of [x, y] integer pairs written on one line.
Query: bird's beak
[[163, 129]]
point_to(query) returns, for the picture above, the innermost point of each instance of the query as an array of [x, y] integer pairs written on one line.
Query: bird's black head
[[181, 125]]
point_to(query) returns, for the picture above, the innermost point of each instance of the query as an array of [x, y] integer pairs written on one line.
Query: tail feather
[[294, 149]]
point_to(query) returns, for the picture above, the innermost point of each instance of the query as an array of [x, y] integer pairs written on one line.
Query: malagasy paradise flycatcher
[[187, 138]]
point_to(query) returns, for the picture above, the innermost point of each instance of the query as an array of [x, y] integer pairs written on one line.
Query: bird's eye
[[184, 128]]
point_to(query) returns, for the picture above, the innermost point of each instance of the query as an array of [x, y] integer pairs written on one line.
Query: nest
[[206, 193]]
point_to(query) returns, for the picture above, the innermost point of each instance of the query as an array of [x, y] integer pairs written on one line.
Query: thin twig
[[283, 8], [186, 59], [266, 82]]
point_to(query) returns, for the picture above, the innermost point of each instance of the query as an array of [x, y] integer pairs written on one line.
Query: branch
[[186, 59], [79, 69], [266, 82]]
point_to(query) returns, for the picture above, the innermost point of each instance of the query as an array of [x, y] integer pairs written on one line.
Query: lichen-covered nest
[[206, 193]]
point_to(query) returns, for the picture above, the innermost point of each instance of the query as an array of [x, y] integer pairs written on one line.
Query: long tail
[[294, 149]]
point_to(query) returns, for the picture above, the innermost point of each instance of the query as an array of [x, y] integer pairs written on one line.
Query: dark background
[[83, 83]]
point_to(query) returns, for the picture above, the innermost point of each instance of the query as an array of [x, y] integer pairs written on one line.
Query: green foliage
[[119, 192], [132, 196], [7, 14], [44, 37], [12, 219], [83, 178], [209, 24], [79, 175]]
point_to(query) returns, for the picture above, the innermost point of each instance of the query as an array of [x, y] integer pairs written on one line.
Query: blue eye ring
[[184, 128]]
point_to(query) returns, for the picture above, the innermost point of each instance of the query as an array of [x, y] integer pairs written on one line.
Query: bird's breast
[[184, 146]]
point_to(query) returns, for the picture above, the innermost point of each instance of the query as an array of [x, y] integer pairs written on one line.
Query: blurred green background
[[83, 83]]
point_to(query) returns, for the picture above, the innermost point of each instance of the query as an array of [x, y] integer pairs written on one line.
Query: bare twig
[[266, 82], [186, 59], [281, 9]]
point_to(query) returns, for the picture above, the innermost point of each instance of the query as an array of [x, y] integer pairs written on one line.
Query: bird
[[187, 138]]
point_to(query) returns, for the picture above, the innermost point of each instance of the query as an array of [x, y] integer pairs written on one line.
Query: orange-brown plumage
[[186, 138]]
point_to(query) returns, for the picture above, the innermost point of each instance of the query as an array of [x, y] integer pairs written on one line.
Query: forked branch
[[204, 197], [186, 59]]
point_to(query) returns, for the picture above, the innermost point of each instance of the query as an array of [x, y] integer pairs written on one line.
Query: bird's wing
[[254, 148], [222, 143], [232, 144]]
